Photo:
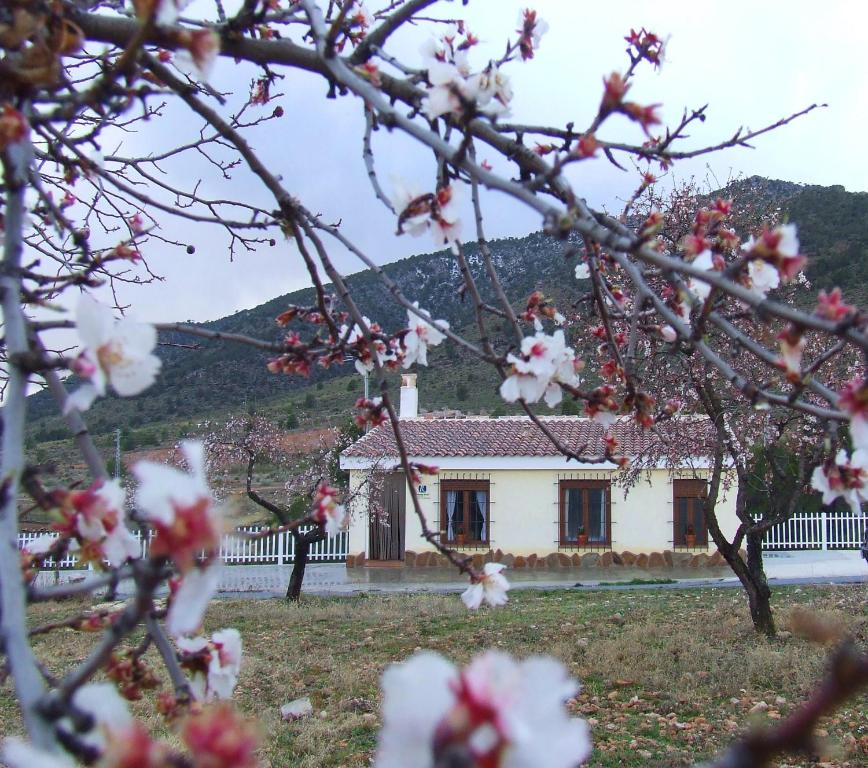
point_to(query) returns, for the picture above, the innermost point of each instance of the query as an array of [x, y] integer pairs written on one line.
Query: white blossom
[[421, 336], [223, 652], [847, 477], [328, 512], [356, 337], [697, 287], [191, 600], [763, 277], [491, 589], [403, 195], [583, 271], [492, 91], [107, 708], [540, 26], [115, 352], [446, 222], [605, 418], [225, 662], [859, 430], [167, 11], [497, 711]]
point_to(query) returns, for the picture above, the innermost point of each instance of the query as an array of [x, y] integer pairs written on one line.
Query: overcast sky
[[752, 62]]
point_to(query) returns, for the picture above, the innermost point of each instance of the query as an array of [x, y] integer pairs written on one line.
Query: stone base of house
[[602, 559]]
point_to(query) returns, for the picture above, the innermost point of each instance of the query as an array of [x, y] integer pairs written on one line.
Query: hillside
[[219, 378]]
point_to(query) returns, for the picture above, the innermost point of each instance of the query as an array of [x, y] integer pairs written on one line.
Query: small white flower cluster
[[495, 712], [94, 519], [355, 337], [545, 363], [412, 348], [453, 84], [779, 252]]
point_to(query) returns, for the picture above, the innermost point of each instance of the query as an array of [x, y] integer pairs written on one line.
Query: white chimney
[[409, 397]]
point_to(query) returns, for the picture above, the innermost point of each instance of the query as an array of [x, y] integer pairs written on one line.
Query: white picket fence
[[274, 549], [817, 530]]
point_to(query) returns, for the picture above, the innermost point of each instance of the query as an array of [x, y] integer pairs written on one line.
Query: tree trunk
[[293, 591], [302, 547], [752, 576], [759, 596]]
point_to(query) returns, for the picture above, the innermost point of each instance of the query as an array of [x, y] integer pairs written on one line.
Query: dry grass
[[669, 676]]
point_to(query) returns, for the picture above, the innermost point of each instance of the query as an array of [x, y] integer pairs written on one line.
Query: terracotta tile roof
[[512, 436]]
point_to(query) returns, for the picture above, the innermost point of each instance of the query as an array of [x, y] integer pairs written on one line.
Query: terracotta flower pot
[[690, 539], [583, 539]]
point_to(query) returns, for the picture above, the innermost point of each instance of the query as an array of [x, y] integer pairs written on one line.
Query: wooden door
[[387, 530]]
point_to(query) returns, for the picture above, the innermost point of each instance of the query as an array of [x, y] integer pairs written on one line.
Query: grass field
[[669, 676]]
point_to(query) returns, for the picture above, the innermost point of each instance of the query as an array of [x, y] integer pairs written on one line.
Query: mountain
[[218, 378]]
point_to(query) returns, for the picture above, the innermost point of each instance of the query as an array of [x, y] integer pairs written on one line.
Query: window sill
[[589, 545]]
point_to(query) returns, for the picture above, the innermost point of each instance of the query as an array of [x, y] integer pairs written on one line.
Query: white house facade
[[504, 492]]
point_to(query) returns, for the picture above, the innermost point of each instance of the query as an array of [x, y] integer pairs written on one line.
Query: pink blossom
[[220, 738], [491, 588], [792, 343], [779, 247], [531, 28], [216, 663], [832, 306], [854, 400], [203, 45], [13, 126], [497, 712], [327, 511], [180, 507], [95, 517], [846, 477]]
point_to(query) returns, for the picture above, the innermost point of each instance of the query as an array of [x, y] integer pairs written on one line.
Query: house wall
[[524, 511]]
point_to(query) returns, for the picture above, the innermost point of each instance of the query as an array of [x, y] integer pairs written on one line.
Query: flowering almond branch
[[682, 307]]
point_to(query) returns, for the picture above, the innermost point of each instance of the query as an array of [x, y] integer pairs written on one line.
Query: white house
[[504, 492]]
